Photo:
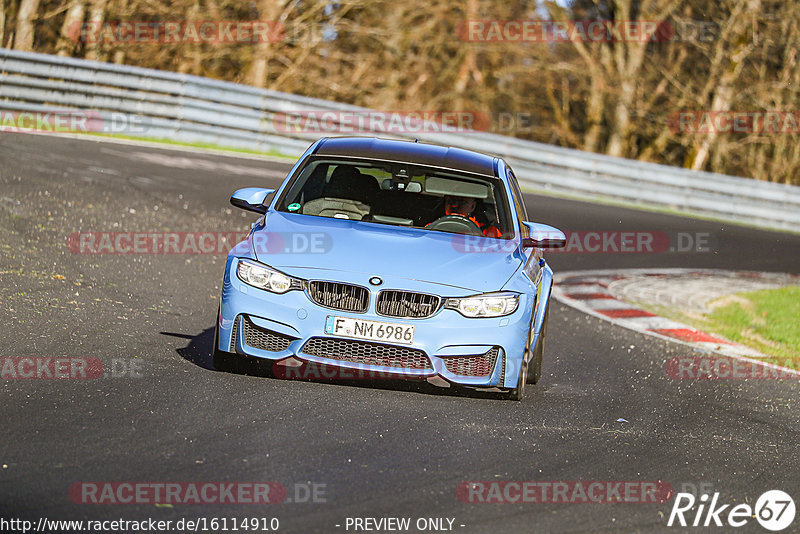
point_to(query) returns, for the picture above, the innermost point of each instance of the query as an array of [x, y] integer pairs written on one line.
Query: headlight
[[260, 276], [486, 305]]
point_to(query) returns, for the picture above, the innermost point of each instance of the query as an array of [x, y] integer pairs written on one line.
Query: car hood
[[305, 245]]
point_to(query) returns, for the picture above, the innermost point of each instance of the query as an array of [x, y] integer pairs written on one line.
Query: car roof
[[408, 152]]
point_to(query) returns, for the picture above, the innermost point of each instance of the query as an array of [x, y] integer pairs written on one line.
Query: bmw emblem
[[375, 281]]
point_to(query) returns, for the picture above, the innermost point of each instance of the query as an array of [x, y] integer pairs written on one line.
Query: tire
[[535, 363], [518, 393], [231, 362], [223, 360]]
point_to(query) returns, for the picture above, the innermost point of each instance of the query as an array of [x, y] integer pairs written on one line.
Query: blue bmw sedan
[[396, 258]]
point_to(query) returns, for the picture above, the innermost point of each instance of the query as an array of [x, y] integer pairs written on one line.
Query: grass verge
[[767, 320], [207, 146]]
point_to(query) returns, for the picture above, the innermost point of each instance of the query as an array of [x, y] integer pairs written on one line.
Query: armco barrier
[[200, 110]]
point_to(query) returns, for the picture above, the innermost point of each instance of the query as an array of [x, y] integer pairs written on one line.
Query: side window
[[519, 203]]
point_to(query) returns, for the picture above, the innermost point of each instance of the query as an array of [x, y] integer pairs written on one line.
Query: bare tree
[[729, 61], [2, 21], [24, 28], [613, 95], [97, 13], [71, 28], [269, 11]]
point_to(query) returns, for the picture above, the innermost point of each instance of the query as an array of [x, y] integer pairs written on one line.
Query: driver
[[464, 207]]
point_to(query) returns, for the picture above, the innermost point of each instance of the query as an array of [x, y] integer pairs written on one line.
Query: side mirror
[[543, 236], [251, 199]]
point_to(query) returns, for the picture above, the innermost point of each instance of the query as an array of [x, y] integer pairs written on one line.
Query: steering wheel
[[456, 224]]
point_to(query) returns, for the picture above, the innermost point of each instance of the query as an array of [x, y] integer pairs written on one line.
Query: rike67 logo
[[774, 510]]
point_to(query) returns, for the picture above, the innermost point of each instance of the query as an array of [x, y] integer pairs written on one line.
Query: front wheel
[[517, 393], [535, 363], [236, 363], [222, 360]]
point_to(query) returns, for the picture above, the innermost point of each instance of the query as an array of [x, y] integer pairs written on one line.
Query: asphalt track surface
[[380, 449]]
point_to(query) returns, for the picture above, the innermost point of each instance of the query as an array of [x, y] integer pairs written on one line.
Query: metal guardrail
[[201, 110]]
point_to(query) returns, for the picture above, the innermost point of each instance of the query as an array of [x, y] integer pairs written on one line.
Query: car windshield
[[400, 194]]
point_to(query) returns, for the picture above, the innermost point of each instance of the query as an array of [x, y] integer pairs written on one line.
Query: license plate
[[369, 330]]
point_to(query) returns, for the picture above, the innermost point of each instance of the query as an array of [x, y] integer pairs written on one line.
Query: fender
[[542, 300], [544, 274]]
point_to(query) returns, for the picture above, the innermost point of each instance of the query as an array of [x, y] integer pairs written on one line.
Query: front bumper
[[289, 328]]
